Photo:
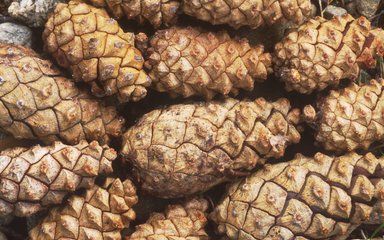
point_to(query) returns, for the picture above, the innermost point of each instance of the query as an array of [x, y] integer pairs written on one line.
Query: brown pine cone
[[189, 61], [189, 148], [95, 48], [252, 13], [37, 102], [156, 12], [350, 118], [322, 52], [322, 197], [35, 178], [185, 221], [100, 213]]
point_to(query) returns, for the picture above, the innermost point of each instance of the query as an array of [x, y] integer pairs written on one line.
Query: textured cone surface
[[189, 61], [178, 222], [157, 12], [34, 178], [307, 198], [184, 149], [350, 118], [252, 13], [36, 102], [90, 43], [321, 52], [101, 213]]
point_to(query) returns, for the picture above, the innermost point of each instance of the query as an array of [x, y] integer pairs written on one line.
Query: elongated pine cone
[[252, 13], [189, 148], [37, 102], [90, 43], [322, 197], [322, 52], [189, 61], [350, 118], [156, 12], [101, 213], [185, 221], [34, 178]]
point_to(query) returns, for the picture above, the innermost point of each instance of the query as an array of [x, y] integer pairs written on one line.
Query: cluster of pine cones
[[186, 149]]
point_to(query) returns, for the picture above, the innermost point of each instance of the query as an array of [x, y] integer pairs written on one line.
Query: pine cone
[[350, 118], [36, 102], [252, 13], [90, 43], [157, 12], [189, 148], [32, 179], [321, 52], [189, 61], [178, 222], [307, 198], [101, 213]]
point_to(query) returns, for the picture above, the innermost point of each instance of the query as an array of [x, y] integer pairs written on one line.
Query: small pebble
[[14, 33], [333, 11], [367, 8], [2, 236], [351, 9], [33, 13]]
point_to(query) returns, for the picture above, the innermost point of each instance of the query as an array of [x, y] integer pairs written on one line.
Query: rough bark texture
[[322, 52], [156, 12], [252, 13], [350, 118], [95, 48], [101, 213], [189, 148], [189, 61], [34, 178], [178, 222], [36, 102], [307, 198]]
